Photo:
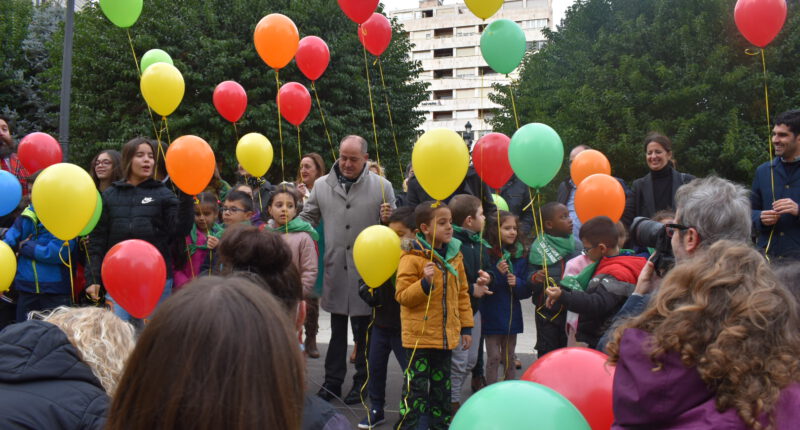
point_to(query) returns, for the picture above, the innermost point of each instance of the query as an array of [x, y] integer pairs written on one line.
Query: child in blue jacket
[[43, 279], [501, 311]]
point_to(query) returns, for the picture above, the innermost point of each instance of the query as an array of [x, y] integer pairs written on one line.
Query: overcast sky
[[559, 6]]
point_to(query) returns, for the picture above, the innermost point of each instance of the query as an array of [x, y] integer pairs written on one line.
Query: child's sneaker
[[374, 420]]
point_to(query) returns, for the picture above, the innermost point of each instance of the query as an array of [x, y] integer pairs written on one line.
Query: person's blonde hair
[[103, 341], [726, 314]]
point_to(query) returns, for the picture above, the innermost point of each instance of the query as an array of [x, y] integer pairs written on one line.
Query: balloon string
[[280, 128], [324, 125], [372, 112], [513, 105], [235, 132], [139, 73], [366, 381], [391, 121], [88, 260], [406, 372], [542, 240], [69, 268], [299, 148]]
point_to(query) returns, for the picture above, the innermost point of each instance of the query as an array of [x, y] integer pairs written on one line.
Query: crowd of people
[[705, 336]]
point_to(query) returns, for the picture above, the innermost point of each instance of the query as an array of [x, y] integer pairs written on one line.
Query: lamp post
[[66, 80], [467, 134]]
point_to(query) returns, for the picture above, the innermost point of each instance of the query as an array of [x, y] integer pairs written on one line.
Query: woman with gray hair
[[58, 373]]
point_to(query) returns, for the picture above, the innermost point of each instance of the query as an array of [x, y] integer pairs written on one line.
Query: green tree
[[617, 69], [28, 33], [211, 42]]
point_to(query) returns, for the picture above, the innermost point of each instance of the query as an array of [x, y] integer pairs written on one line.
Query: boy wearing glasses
[[600, 290], [236, 209], [552, 249]]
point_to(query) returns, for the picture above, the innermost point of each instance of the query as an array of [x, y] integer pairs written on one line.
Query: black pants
[[382, 342], [428, 376], [551, 331], [336, 358], [27, 302]]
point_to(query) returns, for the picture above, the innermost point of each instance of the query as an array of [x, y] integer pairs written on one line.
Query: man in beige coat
[[347, 200]]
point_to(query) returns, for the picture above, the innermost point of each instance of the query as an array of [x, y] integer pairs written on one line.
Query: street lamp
[[467, 134]]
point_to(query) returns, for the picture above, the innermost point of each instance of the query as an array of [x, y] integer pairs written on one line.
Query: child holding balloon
[[501, 312], [435, 316], [188, 262]]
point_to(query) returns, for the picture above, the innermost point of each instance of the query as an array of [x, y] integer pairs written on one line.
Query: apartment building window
[[467, 72], [486, 70], [443, 116], [465, 52], [443, 95], [538, 23], [442, 73], [481, 27], [486, 114], [442, 32], [512, 5], [466, 31], [535, 45], [427, 13], [465, 114], [441, 53]]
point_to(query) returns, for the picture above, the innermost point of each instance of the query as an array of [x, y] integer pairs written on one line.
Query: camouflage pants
[[426, 390]]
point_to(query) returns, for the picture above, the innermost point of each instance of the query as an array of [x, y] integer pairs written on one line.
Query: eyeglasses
[[672, 227], [586, 250], [231, 209], [103, 163]]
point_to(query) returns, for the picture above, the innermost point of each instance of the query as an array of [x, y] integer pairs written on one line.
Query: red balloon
[[760, 21], [375, 34], [230, 99], [358, 10], [134, 274], [582, 376], [312, 57], [490, 157], [38, 150], [294, 102]]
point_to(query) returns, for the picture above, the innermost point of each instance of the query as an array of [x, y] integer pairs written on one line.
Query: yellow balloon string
[[510, 289], [324, 124], [139, 73], [541, 233], [769, 140], [513, 106], [406, 373], [366, 355], [69, 268], [280, 128], [372, 112], [299, 148], [88, 259], [235, 132], [391, 121]]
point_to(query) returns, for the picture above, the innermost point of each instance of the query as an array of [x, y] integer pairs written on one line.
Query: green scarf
[[475, 237], [551, 248], [581, 280], [296, 225], [519, 250], [215, 231], [453, 248]]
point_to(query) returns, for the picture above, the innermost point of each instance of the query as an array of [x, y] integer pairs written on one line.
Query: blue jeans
[[125, 316], [383, 342]]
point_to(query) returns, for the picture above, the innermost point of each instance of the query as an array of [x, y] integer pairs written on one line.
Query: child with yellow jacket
[[435, 315]]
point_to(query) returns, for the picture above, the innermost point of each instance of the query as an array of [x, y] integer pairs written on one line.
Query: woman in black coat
[[656, 191], [139, 207]]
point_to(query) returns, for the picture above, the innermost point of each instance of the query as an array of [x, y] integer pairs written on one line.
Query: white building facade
[[446, 40]]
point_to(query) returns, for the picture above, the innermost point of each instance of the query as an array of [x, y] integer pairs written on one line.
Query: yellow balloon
[[162, 88], [8, 267], [377, 253], [254, 153], [484, 9], [64, 198], [440, 159]]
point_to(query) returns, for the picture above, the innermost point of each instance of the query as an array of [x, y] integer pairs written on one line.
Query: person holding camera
[[707, 210], [776, 192]]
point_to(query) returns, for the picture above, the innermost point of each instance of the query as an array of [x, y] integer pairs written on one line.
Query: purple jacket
[[675, 397]]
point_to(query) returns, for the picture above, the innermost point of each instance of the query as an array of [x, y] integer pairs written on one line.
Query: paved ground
[[355, 413]]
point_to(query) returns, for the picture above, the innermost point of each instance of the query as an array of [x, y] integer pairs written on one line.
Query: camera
[[652, 234]]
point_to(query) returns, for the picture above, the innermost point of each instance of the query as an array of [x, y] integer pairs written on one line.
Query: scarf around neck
[[551, 249], [474, 237], [296, 225], [216, 230], [453, 247]]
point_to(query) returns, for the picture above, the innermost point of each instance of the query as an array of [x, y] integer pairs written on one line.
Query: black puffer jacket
[[149, 211], [43, 383]]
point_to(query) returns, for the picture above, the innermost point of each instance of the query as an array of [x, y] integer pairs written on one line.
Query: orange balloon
[[597, 195], [190, 164], [276, 38], [588, 163]]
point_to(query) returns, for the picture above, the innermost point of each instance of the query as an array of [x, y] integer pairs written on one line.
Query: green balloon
[[500, 202], [154, 56], [503, 45], [518, 405], [98, 210], [123, 13], [536, 154]]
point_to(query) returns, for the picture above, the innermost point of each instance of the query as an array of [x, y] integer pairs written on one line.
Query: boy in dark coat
[[600, 290]]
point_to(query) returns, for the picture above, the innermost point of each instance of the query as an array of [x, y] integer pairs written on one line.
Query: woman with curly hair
[[718, 348]]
